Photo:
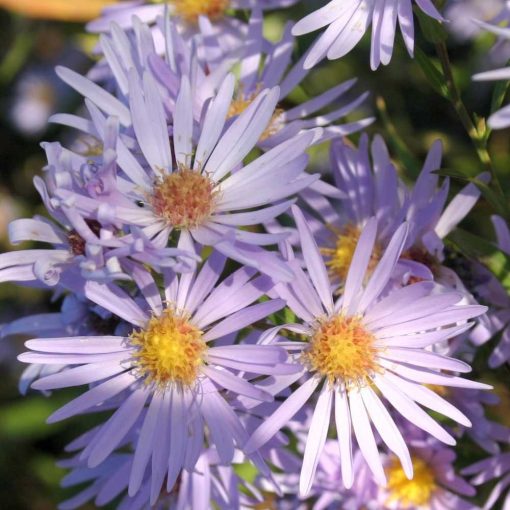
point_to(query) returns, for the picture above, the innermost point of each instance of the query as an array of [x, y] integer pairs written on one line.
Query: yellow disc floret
[[191, 10], [342, 350], [185, 198], [415, 493], [242, 101], [339, 258], [168, 350]]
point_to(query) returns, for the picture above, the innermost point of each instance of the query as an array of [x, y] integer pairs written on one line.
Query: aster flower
[[92, 244], [359, 342], [189, 15], [501, 118], [189, 11], [203, 194], [435, 484], [77, 317], [265, 65], [496, 467], [347, 22], [168, 361], [262, 65], [197, 489], [493, 293], [461, 13], [368, 186]]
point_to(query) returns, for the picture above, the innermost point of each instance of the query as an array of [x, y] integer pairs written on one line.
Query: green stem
[[17, 54], [478, 139]]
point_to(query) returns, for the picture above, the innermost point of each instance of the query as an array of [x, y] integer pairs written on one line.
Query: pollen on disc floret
[[342, 350], [414, 493], [338, 259], [191, 10], [243, 101], [185, 198], [168, 350]]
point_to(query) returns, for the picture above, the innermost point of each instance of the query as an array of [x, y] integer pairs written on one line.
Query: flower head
[[357, 351], [191, 183], [167, 376], [367, 185], [347, 22], [501, 118]]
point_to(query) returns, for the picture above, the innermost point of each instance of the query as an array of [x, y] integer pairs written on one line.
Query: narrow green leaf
[[499, 93], [454, 174], [433, 74], [432, 29], [472, 245], [476, 247]]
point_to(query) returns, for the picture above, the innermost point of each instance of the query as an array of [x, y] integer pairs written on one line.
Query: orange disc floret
[[168, 350], [185, 198], [414, 493], [342, 350], [191, 10], [338, 259], [242, 101]]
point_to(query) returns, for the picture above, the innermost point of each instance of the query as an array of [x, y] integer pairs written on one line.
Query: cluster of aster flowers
[[249, 333]]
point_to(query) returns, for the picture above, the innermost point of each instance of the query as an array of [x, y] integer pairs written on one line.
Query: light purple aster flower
[[164, 53], [167, 376], [262, 65], [435, 486], [471, 402], [77, 317], [501, 118], [368, 186], [265, 65], [461, 13], [493, 293], [199, 190], [497, 468], [207, 484], [93, 244], [189, 15], [346, 22], [360, 341]]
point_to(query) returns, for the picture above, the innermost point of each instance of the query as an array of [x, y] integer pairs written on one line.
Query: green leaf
[[26, 418], [454, 174], [472, 245], [499, 93], [433, 74], [487, 252], [411, 165], [495, 199], [499, 264], [432, 29]]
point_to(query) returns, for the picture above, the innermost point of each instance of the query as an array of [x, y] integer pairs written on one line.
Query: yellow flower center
[[191, 10], [411, 493], [442, 391], [185, 198], [169, 350], [342, 350], [242, 101], [339, 258]]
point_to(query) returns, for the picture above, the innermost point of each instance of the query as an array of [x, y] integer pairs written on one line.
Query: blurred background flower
[[62, 10]]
